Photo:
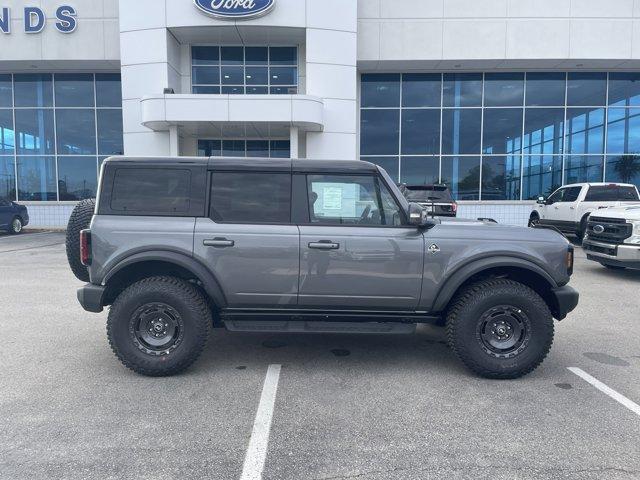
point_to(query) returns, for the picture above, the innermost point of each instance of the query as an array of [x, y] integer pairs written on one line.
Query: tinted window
[[462, 175], [420, 132], [6, 91], [76, 131], [381, 90], [461, 131], [77, 177], [421, 89], [567, 194], [503, 89], [36, 178], [108, 90], [7, 134], [545, 89], [151, 191], [420, 170], [380, 132], [351, 200], [421, 194], [33, 90], [611, 193], [502, 130], [586, 88], [462, 90], [74, 90], [35, 132], [241, 197]]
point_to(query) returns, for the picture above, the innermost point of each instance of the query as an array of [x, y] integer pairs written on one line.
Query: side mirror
[[542, 201], [418, 216]]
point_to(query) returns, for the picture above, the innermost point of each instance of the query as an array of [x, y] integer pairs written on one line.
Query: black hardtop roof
[[252, 164]]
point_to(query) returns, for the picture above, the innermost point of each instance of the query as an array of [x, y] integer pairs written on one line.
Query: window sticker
[[332, 198]]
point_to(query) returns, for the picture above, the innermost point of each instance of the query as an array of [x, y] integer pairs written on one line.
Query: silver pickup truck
[[178, 246]]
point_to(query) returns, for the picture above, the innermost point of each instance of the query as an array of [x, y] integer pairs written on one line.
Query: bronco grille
[[608, 230]]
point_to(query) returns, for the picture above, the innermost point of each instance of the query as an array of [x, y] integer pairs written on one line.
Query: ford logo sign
[[598, 229], [235, 9]]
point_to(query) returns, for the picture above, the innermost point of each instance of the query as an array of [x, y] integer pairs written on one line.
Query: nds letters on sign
[[35, 19], [235, 9]]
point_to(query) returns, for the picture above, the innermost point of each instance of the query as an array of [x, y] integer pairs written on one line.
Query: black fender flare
[[208, 280], [466, 271]]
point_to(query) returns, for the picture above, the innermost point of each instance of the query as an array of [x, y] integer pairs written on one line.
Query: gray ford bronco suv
[[178, 246]]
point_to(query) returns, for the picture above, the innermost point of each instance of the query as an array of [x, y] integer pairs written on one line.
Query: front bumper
[[565, 301], [611, 254], [90, 297]]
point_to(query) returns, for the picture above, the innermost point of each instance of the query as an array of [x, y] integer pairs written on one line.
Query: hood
[[627, 212], [461, 228]]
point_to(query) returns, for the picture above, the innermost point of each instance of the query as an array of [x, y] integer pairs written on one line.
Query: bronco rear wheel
[[500, 328], [159, 326]]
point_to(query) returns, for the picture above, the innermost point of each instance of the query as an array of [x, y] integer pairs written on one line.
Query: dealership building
[[502, 100]]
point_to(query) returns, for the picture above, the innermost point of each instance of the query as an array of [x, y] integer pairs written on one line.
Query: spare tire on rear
[[79, 220]]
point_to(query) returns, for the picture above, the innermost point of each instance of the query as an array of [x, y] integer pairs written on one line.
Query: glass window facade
[[244, 70], [244, 148], [502, 136], [55, 129]]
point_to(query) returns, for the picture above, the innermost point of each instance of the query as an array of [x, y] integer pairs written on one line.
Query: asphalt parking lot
[[347, 406]]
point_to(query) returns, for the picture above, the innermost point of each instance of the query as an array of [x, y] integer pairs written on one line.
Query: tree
[[627, 167]]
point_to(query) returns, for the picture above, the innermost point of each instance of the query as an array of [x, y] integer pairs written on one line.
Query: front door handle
[[218, 243], [324, 245]]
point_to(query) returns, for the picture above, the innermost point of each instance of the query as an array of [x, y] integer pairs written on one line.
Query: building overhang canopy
[[161, 112]]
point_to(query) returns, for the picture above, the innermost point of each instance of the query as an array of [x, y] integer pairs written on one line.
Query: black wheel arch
[[161, 263], [521, 270]]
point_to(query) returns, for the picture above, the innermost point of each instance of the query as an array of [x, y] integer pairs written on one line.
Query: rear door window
[[257, 198], [611, 193], [151, 191]]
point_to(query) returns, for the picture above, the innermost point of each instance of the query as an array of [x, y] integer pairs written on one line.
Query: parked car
[[613, 237], [13, 217], [569, 207], [436, 199], [177, 246]]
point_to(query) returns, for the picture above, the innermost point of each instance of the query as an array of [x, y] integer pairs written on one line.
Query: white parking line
[[257, 451], [634, 407]]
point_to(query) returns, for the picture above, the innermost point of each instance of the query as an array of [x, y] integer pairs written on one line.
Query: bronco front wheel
[[159, 326], [500, 328]]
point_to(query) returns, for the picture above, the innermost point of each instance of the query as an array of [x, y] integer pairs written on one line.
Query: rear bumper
[[565, 301], [90, 297], [610, 254]]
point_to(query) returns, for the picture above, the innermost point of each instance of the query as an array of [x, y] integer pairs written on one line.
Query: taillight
[[454, 207], [85, 247], [570, 253]]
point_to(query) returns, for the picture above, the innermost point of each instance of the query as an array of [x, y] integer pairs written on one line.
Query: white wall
[[494, 34]]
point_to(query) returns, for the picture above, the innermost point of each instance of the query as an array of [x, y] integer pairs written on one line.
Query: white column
[[294, 136], [174, 141]]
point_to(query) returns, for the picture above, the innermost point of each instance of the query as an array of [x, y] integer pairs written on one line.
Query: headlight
[[635, 235]]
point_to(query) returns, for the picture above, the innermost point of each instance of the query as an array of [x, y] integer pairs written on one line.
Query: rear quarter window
[[611, 193], [151, 191]]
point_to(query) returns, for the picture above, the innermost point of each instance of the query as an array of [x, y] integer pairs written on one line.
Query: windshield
[[425, 194]]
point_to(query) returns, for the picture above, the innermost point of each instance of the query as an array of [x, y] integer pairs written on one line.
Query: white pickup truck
[[613, 237], [569, 207]]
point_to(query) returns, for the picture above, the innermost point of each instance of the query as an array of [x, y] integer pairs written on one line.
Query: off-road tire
[[12, 226], [464, 317], [181, 296], [79, 220]]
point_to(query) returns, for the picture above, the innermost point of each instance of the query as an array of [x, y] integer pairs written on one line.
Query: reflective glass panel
[[284, 76], [420, 170], [585, 130], [501, 178], [543, 130], [462, 90], [283, 56], [74, 90], [36, 178], [462, 175], [206, 90], [110, 140], [258, 148], [76, 132], [257, 90], [257, 76], [108, 90], [583, 168], [380, 90], [7, 133], [233, 148], [35, 132], [33, 90], [209, 148], [227, 90], [6, 91], [546, 89], [503, 89], [623, 131], [585, 88], [380, 132], [206, 75], [461, 131], [542, 175], [624, 89], [390, 164], [7, 178], [205, 56], [421, 89], [280, 149], [623, 168], [232, 55], [502, 130], [420, 132], [77, 178], [232, 76], [256, 55]]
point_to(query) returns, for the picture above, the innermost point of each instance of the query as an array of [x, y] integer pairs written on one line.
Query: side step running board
[[318, 327]]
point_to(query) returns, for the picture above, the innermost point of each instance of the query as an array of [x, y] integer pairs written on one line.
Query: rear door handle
[[218, 243], [324, 245]]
